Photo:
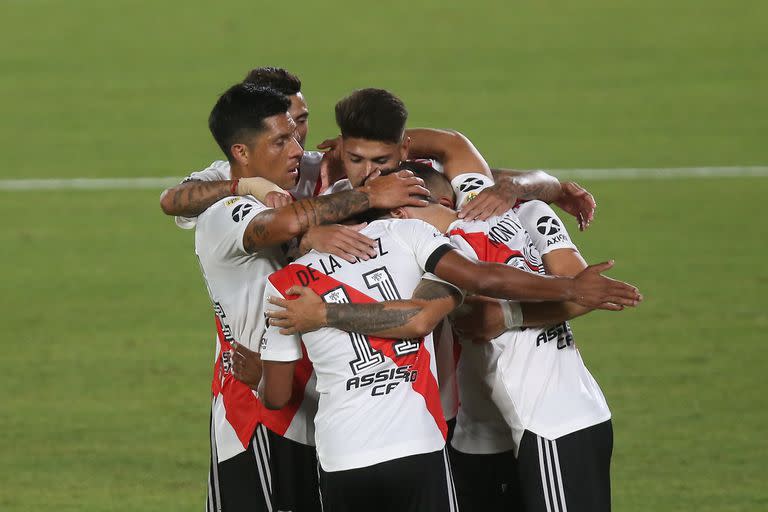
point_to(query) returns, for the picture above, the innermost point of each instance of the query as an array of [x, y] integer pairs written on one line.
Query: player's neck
[[442, 217]]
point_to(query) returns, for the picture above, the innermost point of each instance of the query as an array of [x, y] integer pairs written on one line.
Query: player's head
[[254, 130], [289, 84], [372, 124], [441, 195]]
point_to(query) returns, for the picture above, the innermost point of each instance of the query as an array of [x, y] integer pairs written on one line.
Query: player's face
[[275, 153], [362, 156], [300, 114]]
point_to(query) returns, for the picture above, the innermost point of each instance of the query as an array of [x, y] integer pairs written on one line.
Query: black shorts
[[418, 483], [243, 482], [486, 482], [294, 475], [571, 473]]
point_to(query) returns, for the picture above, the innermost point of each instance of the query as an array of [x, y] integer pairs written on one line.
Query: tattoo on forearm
[[433, 290], [193, 197], [330, 209], [367, 318]]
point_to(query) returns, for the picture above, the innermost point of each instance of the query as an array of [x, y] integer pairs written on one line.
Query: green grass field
[[107, 332]]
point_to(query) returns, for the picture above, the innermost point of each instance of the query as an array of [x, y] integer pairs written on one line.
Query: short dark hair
[[434, 181], [278, 79], [372, 114], [240, 112]]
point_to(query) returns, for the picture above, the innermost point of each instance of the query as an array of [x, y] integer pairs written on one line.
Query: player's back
[[379, 398]]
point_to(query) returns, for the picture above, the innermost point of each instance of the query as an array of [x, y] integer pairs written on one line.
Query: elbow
[[166, 202], [276, 401]]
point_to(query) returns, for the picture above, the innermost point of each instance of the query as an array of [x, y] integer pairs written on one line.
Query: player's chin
[[290, 179]]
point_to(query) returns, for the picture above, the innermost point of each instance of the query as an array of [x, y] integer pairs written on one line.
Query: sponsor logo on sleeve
[[471, 183], [230, 202], [548, 226], [241, 211]]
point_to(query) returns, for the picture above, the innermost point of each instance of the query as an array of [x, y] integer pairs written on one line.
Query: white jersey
[[542, 384], [535, 376], [379, 398], [235, 281], [308, 184]]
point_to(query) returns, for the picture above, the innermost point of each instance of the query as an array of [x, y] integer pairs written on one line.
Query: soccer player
[[238, 242], [559, 421], [379, 421]]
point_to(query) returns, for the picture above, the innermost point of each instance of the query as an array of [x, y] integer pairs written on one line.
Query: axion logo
[[241, 211], [547, 226], [470, 184]]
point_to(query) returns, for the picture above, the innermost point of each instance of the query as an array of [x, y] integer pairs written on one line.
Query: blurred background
[[107, 332]]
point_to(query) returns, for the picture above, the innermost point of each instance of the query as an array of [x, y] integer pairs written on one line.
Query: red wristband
[[233, 187]]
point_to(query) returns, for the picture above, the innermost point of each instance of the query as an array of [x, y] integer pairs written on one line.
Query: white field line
[[568, 174]]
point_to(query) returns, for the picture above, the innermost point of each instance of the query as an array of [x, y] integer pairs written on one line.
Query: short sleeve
[[467, 186], [426, 242], [546, 229], [223, 224], [218, 171], [275, 346]]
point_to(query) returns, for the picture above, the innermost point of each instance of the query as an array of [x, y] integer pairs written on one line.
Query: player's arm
[[453, 150], [484, 318], [279, 354], [589, 288], [194, 196], [402, 319], [277, 383], [276, 226]]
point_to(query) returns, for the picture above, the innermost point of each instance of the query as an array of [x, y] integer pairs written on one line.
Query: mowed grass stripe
[[591, 174]]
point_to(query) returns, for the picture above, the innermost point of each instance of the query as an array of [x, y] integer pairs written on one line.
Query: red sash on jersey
[[242, 409], [425, 383], [489, 251]]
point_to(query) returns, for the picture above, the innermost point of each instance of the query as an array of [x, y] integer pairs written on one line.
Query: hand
[[490, 202], [331, 167], [340, 240], [479, 319], [400, 188], [303, 314], [577, 201], [593, 290], [246, 366], [276, 199]]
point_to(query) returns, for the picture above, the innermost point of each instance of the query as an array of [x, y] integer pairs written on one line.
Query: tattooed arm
[[193, 197], [400, 319], [276, 226]]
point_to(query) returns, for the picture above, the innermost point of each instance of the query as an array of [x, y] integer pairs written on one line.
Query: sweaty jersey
[[379, 398], [308, 184], [235, 280], [535, 376]]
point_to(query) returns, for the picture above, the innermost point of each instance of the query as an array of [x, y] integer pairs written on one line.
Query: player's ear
[[399, 213], [447, 202], [240, 153], [404, 148]]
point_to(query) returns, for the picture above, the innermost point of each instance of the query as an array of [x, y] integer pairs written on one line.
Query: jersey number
[[366, 356]]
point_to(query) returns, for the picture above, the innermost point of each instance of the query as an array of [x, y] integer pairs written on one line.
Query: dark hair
[[372, 114], [434, 181], [275, 78], [240, 112]]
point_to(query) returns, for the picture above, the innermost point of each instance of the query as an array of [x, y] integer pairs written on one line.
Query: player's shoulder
[[238, 208]]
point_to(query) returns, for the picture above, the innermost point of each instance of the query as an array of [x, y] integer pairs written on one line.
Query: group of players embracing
[[392, 316]]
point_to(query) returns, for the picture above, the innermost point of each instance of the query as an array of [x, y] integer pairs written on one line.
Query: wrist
[[368, 193]]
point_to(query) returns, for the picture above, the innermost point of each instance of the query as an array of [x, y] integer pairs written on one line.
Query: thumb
[[602, 267], [296, 290]]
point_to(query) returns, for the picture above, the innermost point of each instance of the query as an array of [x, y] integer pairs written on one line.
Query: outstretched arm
[[193, 197], [401, 319], [276, 226], [589, 288]]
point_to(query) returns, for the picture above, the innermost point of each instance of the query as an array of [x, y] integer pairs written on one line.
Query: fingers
[[296, 290], [600, 267], [277, 301], [328, 143], [609, 306], [287, 331], [475, 207]]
